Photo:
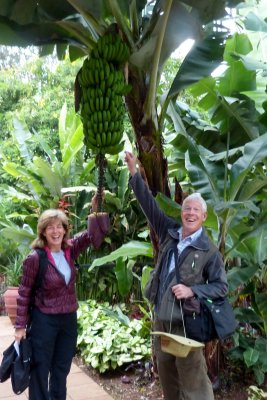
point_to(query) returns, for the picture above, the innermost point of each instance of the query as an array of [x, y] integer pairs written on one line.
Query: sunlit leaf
[[131, 249]]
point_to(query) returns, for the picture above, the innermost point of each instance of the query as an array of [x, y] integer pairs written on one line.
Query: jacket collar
[[66, 254], [201, 243]]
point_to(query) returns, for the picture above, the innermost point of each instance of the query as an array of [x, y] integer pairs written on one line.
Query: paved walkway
[[80, 385]]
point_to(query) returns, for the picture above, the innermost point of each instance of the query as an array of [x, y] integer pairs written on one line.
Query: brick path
[[80, 386]]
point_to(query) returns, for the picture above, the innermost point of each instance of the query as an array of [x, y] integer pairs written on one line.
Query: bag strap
[[75, 262], [43, 264], [177, 272]]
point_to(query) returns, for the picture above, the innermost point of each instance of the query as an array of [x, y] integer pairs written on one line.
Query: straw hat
[[178, 346]]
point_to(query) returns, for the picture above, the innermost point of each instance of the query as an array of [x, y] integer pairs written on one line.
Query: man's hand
[[182, 292], [130, 160]]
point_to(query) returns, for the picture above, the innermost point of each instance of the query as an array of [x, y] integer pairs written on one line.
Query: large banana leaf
[[176, 33], [207, 177], [256, 27], [237, 276], [261, 301], [170, 207], [19, 235], [22, 134], [247, 316], [228, 109], [70, 132], [129, 250], [227, 113], [245, 239], [51, 179], [123, 184], [63, 22], [124, 275], [27, 175], [200, 62], [255, 23], [237, 77], [254, 153], [252, 187]]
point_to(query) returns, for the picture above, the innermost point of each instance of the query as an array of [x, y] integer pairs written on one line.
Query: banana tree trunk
[[148, 137], [148, 141]]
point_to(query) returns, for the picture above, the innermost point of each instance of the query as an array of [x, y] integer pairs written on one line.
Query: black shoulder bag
[[17, 367], [206, 319]]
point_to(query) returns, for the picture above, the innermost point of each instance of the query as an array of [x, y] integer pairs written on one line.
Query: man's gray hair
[[197, 197]]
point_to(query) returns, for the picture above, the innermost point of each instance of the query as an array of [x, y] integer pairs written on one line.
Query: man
[[202, 275]]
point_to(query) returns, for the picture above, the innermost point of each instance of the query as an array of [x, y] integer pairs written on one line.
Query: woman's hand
[[130, 160], [20, 333]]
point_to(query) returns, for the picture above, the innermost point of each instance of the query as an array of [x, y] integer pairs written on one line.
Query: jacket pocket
[[170, 308]]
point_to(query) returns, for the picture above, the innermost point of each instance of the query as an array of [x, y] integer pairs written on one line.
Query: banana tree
[[152, 31]]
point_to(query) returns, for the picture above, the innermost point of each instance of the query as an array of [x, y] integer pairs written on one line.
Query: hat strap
[[177, 272], [182, 314]]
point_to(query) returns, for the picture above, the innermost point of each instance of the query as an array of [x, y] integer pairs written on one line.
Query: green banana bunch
[[103, 86]]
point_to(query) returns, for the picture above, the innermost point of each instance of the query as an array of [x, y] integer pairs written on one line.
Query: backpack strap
[[43, 264], [75, 262]]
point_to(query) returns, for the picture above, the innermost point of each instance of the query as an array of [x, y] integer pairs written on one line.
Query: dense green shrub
[[108, 338]]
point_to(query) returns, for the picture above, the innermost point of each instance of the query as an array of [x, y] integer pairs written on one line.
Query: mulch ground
[[136, 382]]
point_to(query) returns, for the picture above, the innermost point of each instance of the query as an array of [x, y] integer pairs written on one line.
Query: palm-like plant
[[13, 270], [42, 182]]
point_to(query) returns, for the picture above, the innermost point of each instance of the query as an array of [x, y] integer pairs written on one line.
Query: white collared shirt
[[183, 243]]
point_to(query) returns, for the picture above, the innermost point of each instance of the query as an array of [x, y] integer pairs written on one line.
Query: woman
[[53, 330]]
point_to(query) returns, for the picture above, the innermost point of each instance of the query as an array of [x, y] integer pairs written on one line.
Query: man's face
[[192, 216]]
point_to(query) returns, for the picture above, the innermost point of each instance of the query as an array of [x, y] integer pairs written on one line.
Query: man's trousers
[[181, 378]]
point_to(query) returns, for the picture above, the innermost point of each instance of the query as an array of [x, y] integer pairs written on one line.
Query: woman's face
[[54, 234]]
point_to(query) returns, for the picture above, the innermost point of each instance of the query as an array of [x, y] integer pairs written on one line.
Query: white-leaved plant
[[107, 338]]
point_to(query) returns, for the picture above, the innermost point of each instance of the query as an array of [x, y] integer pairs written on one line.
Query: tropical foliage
[[218, 149], [66, 181], [152, 33], [108, 338], [32, 98]]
